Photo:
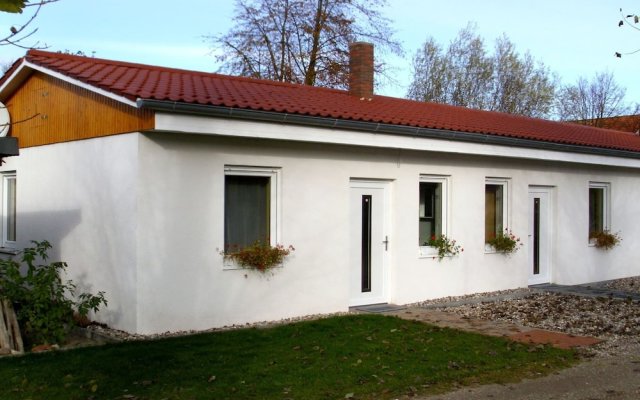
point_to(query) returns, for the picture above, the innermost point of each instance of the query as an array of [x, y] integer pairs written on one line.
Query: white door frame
[[540, 234], [381, 241]]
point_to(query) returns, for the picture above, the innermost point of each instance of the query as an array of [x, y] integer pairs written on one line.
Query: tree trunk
[[318, 22], [10, 337]]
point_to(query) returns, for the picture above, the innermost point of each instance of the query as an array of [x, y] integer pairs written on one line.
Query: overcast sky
[[573, 38]]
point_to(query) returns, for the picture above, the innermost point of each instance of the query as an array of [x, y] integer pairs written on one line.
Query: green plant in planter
[[604, 239], [258, 256], [42, 299], [445, 246], [506, 242]]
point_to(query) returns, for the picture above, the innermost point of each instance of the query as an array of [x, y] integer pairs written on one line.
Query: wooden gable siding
[[46, 110]]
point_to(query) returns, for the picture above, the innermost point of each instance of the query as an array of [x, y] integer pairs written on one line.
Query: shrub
[[506, 242], [42, 299], [604, 239], [259, 256], [445, 246]]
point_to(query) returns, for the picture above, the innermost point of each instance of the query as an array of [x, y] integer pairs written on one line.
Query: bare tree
[[631, 21], [301, 41], [590, 101], [20, 33], [465, 74]]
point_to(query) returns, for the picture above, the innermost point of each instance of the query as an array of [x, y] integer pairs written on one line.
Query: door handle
[[386, 243]]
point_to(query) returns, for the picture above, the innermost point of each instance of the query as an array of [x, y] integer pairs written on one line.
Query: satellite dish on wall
[[5, 120]]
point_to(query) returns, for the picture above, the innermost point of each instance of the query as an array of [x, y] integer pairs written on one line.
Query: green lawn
[[356, 356]]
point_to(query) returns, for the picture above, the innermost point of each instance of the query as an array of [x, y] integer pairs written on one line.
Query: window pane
[[10, 234], [493, 211], [596, 209], [430, 216], [247, 210]]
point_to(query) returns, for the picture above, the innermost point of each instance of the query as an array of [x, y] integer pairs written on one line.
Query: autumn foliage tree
[[466, 74], [301, 41]]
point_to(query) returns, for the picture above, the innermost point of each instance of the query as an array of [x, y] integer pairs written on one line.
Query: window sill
[[427, 252], [232, 266], [9, 250]]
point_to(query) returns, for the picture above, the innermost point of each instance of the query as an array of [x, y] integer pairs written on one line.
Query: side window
[[9, 209], [432, 215], [598, 207], [250, 206], [495, 208]]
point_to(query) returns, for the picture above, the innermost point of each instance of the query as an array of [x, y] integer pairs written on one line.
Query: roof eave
[[372, 127], [26, 68], [14, 80]]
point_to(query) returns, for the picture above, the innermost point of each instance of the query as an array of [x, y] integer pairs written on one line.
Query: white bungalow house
[[140, 175]]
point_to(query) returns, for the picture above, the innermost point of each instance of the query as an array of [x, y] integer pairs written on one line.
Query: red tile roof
[[626, 123], [137, 81]]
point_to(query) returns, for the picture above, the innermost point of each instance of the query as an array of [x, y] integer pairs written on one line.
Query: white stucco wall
[[141, 217], [181, 188], [184, 284], [80, 196]]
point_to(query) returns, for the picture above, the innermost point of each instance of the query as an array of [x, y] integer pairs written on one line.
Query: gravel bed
[[484, 297], [631, 285], [577, 315], [617, 322]]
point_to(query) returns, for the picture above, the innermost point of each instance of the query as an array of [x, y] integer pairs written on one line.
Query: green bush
[[43, 301], [445, 246], [505, 242]]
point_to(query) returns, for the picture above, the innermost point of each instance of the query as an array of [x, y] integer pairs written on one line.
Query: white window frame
[[6, 177], [275, 212], [606, 207], [504, 182], [444, 180]]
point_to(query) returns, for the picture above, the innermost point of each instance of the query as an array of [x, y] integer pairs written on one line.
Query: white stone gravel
[[617, 322], [631, 285]]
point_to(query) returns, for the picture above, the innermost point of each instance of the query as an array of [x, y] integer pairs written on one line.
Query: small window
[[250, 206], [598, 207], [495, 209], [9, 210], [432, 211]]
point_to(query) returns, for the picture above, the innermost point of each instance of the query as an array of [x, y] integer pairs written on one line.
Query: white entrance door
[[540, 232], [370, 241]]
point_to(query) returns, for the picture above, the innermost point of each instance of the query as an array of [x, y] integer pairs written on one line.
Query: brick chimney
[[361, 70]]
